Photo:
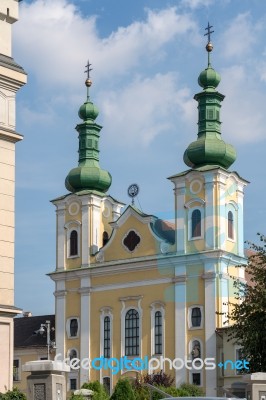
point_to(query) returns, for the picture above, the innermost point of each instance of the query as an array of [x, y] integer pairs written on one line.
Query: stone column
[[47, 380]]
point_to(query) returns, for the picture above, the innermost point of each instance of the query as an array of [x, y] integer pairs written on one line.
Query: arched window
[[196, 350], [230, 221], [107, 337], [132, 333], [158, 333], [196, 223], [73, 243], [196, 317], [105, 238], [73, 327]]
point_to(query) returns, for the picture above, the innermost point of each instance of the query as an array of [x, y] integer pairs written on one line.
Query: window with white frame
[[73, 251], [231, 220], [230, 225], [196, 223], [195, 317], [131, 326], [16, 370], [195, 218], [132, 333], [158, 332], [107, 337], [73, 239], [72, 327], [106, 320], [157, 328]]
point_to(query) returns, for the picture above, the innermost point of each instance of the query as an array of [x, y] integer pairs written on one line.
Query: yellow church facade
[[137, 292]]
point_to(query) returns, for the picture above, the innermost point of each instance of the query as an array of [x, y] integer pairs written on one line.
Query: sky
[[146, 56]]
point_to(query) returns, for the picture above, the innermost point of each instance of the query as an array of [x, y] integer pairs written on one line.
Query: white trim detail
[[74, 208], [195, 200], [195, 181]]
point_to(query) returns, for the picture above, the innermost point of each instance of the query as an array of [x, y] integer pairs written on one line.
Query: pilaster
[[210, 324], [85, 318], [180, 321], [60, 318], [61, 237]]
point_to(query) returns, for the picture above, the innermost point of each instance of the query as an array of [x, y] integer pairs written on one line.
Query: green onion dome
[[88, 175], [209, 78]]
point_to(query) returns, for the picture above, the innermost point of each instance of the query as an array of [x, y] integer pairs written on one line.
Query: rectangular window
[[210, 114], [73, 384], [196, 317], [132, 333], [158, 333], [196, 379], [16, 372], [107, 338], [73, 327]]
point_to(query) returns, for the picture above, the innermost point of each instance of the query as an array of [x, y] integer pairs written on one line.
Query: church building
[[12, 78], [128, 284]]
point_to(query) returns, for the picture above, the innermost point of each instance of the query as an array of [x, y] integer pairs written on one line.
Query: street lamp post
[[49, 344]]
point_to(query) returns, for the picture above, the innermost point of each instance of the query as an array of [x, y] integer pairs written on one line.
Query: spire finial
[[209, 45], [88, 81]]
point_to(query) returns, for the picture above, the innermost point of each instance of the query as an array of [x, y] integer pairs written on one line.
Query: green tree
[[248, 315], [98, 388], [14, 394], [123, 390]]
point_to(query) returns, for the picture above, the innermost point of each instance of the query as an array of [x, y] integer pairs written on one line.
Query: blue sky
[[146, 56]]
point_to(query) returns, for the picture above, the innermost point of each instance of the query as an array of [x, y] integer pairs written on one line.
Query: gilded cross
[[209, 32], [88, 70]]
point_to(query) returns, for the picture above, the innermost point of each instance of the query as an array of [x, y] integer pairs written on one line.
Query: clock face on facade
[[133, 190]]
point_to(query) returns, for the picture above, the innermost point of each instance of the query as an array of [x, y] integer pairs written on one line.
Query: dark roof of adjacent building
[[26, 331]]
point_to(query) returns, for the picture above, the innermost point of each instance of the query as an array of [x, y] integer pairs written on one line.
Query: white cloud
[[193, 4], [239, 36], [136, 114], [54, 41], [243, 108]]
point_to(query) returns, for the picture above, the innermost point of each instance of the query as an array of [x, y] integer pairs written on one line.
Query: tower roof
[[88, 175], [209, 148]]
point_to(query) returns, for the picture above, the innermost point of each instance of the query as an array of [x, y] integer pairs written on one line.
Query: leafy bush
[[98, 388], [75, 397], [160, 379], [123, 390], [14, 394], [192, 390]]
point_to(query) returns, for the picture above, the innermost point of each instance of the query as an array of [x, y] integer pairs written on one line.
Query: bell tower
[[209, 223], [12, 78], [83, 227]]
